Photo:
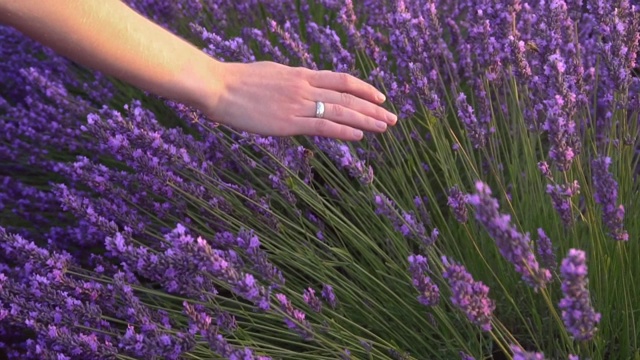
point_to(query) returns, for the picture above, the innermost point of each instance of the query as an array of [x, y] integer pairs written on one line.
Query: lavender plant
[[131, 227]]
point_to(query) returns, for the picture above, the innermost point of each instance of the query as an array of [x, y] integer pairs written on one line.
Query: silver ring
[[319, 109]]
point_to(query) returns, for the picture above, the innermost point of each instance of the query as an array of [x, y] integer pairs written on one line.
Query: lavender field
[[497, 220]]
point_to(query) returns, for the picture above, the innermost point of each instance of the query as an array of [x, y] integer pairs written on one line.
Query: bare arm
[[108, 36]]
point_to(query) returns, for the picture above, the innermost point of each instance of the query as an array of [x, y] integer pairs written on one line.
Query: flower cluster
[[470, 296], [577, 313], [513, 245], [606, 194], [429, 291]]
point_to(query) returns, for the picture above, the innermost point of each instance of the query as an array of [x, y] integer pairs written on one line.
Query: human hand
[[273, 99]]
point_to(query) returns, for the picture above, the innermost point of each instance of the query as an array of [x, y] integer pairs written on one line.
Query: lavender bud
[[468, 295], [577, 313]]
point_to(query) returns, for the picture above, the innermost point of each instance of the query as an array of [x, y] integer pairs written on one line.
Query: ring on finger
[[319, 109]]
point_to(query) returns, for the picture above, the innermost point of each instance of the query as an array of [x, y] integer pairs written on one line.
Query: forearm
[[108, 36]]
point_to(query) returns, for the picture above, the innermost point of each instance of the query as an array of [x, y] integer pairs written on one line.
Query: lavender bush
[[131, 227]]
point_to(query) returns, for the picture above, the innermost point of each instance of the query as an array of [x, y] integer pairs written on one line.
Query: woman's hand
[[272, 99]]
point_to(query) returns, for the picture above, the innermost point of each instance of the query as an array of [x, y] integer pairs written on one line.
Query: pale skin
[[265, 98]]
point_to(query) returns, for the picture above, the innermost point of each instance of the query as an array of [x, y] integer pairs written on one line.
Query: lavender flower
[[577, 313], [457, 200], [329, 296], [606, 194], [201, 322], [309, 297], [343, 157], [429, 291], [470, 296], [465, 356], [545, 250], [518, 49], [544, 168], [476, 130], [520, 354], [513, 245], [294, 318], [404, 222], [561, 198]]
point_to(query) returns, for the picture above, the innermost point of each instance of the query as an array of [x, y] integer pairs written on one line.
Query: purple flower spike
[[403, 221], [545, 250], [329, 296], [561, 198], [458, 203], [429, 292], [312, 300], [476, 129], [606, 194], [520, 354], [470, 296], [465, 356], [294, 318], [513, 245], [202, 323], [577, 313]]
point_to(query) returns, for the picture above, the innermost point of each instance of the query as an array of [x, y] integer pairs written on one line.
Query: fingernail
[[381, 125], [381, 97], [357, 133], [392, 118]]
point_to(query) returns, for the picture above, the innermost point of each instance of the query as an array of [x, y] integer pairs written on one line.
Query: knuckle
[[302, 72], [337, 110], [297, 88], [344, 79], [347, 99], [321, 126], [317, 76]]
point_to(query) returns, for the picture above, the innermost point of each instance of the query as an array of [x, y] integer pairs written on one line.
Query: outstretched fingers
[[345, 83], [340, 101], [327, 128]]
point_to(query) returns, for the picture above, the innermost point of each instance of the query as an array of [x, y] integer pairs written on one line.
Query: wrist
[[203, 83]]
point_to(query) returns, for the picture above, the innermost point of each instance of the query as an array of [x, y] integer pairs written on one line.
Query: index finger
[[346, 83]]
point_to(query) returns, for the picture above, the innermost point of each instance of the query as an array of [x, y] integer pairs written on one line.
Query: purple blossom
[[457, 201], [476, 129], [428, 290], [329, 296], [404, 222], [309, 297], [468, 295], [544, 168], [343, 157], [512, 244], [520, 354], [202, 323], [292, 42], [518, 50], [230, 50], [546, 251], [295, 318], [561, 198], [578, 315], [465, 356], [606, 194]]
